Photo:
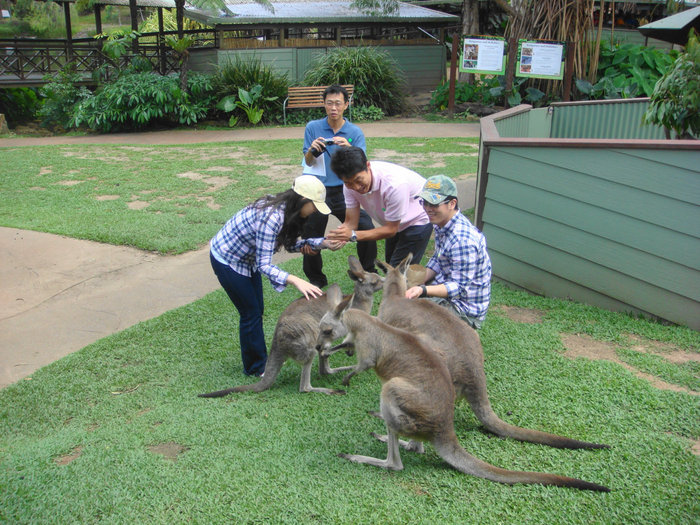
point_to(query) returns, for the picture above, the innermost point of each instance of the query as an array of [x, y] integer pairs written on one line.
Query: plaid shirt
[[462, 264], [247, 241]]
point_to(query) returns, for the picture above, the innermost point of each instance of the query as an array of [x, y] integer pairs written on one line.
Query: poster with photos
[[540, 59], [483, 54]]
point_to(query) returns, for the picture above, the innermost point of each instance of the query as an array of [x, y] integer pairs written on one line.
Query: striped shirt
[[462, 264], [247, 241]]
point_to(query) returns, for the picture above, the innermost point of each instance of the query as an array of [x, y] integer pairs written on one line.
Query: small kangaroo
[[459, 346], [297, 329], [417, 400]]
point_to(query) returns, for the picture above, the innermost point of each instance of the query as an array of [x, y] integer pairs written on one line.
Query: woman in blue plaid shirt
[[242, 251]]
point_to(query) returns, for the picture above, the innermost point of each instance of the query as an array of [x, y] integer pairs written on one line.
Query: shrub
[[19, 104], [366, 113], [626, 71], [246, 74], [477, 93], [675, 102], [377, 79], [136, 100], [61, 94]]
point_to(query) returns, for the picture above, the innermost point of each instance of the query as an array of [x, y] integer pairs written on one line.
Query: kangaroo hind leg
[[411, 446], [305, 381], [392, 461]]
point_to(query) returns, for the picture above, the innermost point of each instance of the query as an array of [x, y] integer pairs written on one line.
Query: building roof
[[140, 3], [311, 12]]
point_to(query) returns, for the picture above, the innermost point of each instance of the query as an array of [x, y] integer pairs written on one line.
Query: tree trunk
[[179, 16], [470, 26]]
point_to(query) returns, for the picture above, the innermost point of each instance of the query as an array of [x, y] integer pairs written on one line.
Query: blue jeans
[[247, 296], [413, 239]]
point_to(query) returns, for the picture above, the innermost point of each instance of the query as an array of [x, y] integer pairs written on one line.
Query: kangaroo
[[417, 400], [459, 346], [297, 329]]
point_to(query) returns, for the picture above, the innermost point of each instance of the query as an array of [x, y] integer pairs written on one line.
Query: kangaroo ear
[[342, 306], [415, 275], [334, 295], [382, 266], [356, 272], [403, 265]]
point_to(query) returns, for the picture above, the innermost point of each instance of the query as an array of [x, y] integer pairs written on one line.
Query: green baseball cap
[[438, 188]]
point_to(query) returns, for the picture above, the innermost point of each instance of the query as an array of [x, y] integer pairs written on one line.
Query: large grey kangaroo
[[297, 329], [417, 400], [460, 347]]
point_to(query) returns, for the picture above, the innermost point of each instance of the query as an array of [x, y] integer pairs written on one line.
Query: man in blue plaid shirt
[[459, 272]]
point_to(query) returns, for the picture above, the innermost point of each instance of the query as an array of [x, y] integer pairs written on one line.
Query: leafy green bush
[[378, 80], [478, 93], [675, 102], [299, 117], [246, 74], [366, 113], [19, 104], [626, 71], [136, 100], [61, 94]]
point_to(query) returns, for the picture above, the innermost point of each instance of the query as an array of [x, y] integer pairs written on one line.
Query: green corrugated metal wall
[[615, 120], [612, 227], [424, 66]]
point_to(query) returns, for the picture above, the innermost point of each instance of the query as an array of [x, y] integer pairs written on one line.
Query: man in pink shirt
[[387, 193]]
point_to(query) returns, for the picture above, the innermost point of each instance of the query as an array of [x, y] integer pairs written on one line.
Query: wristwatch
[[424, 292], [353, 236]]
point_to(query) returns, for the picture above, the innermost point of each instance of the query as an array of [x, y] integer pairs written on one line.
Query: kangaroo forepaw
[[376, 414]]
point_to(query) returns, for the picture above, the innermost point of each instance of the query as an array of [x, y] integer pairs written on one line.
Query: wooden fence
[[28, 61]]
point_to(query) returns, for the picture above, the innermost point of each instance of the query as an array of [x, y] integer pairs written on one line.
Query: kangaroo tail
[[272, 368], [452, 452], [481, 406]]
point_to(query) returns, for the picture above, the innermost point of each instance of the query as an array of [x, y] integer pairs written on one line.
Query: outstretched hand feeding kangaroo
[[298, 327], [417, 398]]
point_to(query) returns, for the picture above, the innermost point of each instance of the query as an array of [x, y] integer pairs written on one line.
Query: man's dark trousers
[[316, 227]]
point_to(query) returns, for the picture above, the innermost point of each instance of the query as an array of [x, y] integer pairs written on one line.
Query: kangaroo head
[[366, 283], [331, 326], [395, 280]]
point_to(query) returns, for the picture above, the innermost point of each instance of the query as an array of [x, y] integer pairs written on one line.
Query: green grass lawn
[[173, 199], [115, 433]]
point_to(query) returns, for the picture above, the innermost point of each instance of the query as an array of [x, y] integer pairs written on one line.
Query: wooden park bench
[[310, 97]]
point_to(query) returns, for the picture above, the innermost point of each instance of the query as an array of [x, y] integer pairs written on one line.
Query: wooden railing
[[27, 61]]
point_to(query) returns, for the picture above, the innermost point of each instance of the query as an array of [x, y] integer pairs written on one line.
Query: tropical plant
[[19, 104], [248, 101], [377, 79], [246, 74], [61, 93], [626, 71], [135, 100], [181, 46], [675, 102]]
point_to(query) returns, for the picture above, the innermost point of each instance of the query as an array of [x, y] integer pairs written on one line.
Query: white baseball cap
[[313, 189]]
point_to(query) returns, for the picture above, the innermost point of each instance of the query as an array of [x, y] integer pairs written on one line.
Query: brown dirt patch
[[580, 345], [69, 182], [670, 352], [169, 451], [521, 315], [107, 197], [138, 205], [69, 458]]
